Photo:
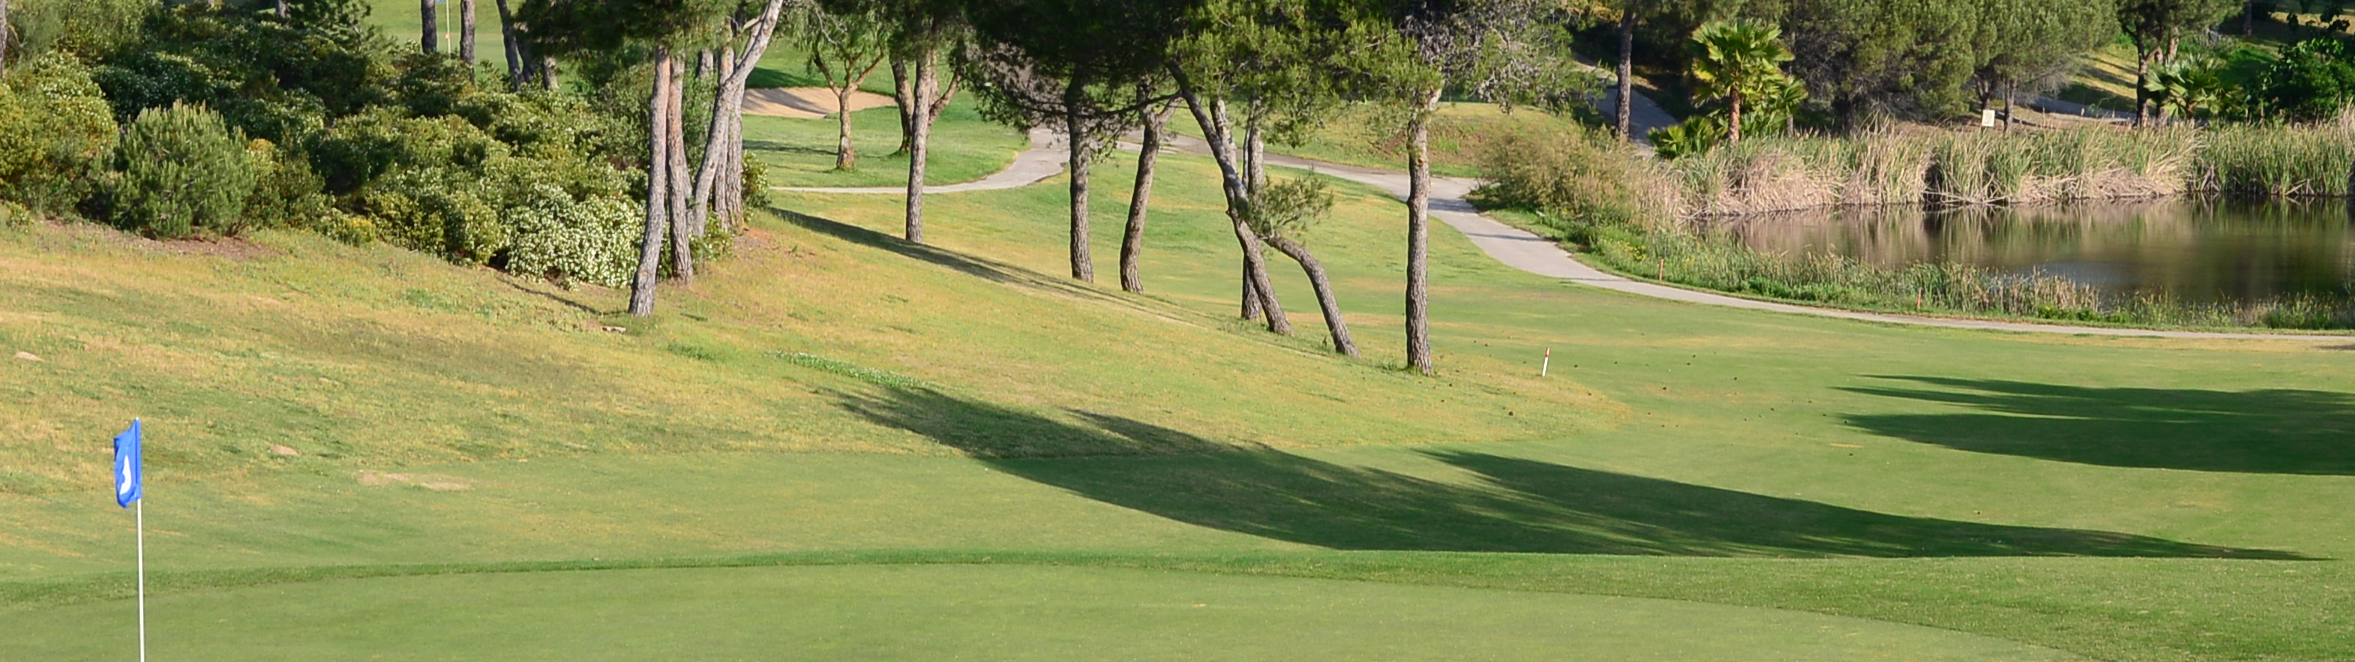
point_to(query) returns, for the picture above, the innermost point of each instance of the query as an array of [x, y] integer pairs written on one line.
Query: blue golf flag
[[127, 472]]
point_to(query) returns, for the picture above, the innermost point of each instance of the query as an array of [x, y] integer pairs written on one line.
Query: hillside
[[956, 425]]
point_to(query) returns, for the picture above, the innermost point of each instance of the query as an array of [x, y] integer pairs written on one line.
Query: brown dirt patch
[[437, 483]]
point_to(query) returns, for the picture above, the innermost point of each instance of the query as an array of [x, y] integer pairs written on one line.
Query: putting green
[[937, 612]]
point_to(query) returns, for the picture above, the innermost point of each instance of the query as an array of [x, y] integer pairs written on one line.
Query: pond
[[2205, 251]]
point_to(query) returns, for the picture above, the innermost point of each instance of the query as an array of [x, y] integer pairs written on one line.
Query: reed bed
[[1636, 215]]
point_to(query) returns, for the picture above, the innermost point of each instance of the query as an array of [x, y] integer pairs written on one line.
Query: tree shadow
[[1505, 504], [2285, 431], [971, 266]]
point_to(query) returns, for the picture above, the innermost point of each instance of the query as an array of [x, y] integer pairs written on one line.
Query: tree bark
[[1324, 289], [723, 152], [1083, 265], [1626, 71], [512, 47], [903, 98], [4, 34], [1132, 241], [657, 172], [466, 32], [284, 12], [2249, 18], [1734, 118], [846, 156], [916, 133], [431, 40], [682, 231], [1254, 153], [1418, 233], [1212, 117], [2142, 72]]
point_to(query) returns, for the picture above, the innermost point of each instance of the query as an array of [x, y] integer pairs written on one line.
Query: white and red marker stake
[[1542, 368]]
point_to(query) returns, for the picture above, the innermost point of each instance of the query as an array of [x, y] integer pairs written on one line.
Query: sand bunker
[[805, 103]]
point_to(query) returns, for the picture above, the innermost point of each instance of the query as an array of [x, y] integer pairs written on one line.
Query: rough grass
[[2120, 499], [1374, 138]]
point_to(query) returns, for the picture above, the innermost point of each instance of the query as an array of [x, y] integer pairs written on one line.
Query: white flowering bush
[[592, 240]]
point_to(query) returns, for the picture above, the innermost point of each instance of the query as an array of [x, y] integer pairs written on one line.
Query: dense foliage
[[181, 169], [235, 117]]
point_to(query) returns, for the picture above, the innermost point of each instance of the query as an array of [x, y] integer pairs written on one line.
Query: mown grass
[[2120, 499], [800, 152], [1376, 138]]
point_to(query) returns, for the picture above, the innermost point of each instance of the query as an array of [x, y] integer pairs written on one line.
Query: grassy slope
[[1906, 475], [1366, 138], [801, 152]]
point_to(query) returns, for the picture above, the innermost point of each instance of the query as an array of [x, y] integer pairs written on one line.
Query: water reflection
[[2195, 250]]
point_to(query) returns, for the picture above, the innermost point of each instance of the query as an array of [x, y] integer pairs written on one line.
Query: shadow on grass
[[1504, 504], [2284, 431]]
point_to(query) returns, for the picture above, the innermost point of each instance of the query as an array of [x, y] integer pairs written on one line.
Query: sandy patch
[[433, 482], [805, 103]]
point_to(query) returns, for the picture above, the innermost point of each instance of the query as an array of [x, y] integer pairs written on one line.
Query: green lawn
[[989, 459], [800, 152]]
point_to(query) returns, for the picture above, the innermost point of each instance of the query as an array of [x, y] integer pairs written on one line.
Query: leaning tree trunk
[[431, 40], [1626, 104], [1083, 265], [903, 97], [4, 35], [916, 136], [1324, 289], [1418, 233], [657, 176], [721, 171], [1212, 116], [513, 49], [846, 156], [466, 32], [682, 235], [1132, 241]]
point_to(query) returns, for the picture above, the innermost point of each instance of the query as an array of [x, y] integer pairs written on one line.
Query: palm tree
[[1736, 59]]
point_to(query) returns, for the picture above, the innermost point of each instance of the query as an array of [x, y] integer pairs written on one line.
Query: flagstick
[[142, 517]]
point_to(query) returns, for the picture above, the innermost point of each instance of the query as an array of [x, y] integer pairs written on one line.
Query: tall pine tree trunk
[[1083, 265], [1418, 233], [284, 12], [1626, 103], [1324, 289], [657, 194], [682, 235], [431, 40], [4, 34], [903, 98], [466, 32], [1132, 240], [916, 135], [846, 156], [1216, 130], [721, 171], [512, 48], [2142, 73]]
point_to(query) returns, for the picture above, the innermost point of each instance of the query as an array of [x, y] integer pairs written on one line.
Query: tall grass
[[1634, 214], [2277, 160]]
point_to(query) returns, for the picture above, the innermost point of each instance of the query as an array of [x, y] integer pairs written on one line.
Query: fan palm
[[1736, 60]]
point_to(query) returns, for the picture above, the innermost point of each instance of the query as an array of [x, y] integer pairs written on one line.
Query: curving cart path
[[1523, 250]]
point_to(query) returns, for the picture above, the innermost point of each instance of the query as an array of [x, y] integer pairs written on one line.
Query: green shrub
[[1587, 176], [567, 240], [87, 29], [286, 191], [182, 169], [55, 134]]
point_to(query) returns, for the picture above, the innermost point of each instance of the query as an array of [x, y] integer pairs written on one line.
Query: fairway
[[939, 612]]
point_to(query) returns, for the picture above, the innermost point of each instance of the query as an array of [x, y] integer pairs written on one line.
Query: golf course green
[[835, 445]]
